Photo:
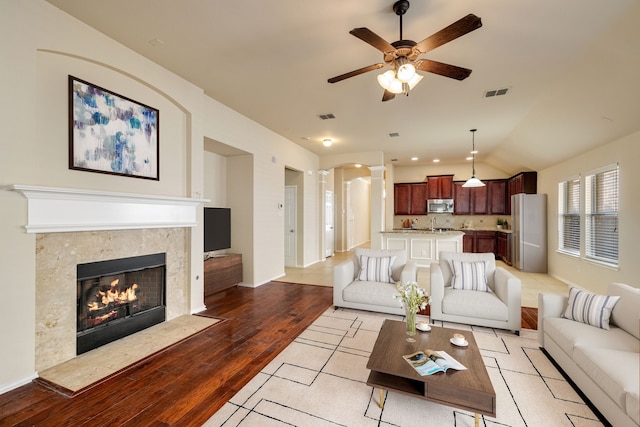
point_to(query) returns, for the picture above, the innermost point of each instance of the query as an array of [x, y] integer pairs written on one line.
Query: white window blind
[[569, 216], [601, 215]]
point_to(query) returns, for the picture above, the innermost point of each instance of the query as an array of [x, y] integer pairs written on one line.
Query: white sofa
[[603, 364], [371, 296], [500, 307]]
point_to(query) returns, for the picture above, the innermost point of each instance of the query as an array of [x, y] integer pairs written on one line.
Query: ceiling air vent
[[394, 135], [327, 116], [496, 92]]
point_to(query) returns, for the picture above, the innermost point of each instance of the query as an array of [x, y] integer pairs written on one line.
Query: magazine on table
[[430, 362]]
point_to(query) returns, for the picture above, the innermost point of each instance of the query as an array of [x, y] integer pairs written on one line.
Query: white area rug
[[320, 380]]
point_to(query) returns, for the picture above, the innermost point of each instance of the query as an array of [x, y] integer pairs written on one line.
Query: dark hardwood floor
[[187, 383]]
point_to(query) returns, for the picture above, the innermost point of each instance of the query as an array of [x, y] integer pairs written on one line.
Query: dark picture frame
[[112, 134]]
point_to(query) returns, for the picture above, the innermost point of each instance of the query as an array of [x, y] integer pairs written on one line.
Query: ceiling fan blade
[[368, 36], [459, 28], [388, 96], [355, 72], [442, 69]]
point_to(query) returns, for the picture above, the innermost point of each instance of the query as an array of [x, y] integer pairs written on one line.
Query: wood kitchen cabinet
[[418, 205], [503, 243], [479, 241], [469, 201], [485, 242], [410, 199], [524, 182], [497, 197], [401, 199], [440, 187]]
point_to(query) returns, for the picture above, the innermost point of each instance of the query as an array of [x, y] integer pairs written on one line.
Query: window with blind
[[601, 215], [569, 216]]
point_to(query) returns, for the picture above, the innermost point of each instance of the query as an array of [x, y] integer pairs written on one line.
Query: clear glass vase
[[411, 323]]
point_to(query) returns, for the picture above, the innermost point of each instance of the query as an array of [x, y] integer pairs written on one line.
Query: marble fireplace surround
[[79, 226]]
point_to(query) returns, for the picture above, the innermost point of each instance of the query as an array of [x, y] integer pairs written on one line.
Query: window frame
[[574, 214], [599, 246]]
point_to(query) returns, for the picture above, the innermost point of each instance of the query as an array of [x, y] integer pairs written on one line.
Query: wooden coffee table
[[470, 390]]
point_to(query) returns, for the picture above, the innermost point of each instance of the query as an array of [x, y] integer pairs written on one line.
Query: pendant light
[[473, 181]]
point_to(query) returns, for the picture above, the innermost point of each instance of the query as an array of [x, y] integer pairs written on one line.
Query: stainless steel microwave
[[440, 206]]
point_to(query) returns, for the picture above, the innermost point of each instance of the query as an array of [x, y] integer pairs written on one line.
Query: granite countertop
[[424, 231], [455, 232]]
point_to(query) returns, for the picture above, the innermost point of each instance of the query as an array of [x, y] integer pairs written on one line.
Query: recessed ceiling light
[[327, 142], [436, 160], [414, 158], [469, 158], [474, 152], [358, 165]]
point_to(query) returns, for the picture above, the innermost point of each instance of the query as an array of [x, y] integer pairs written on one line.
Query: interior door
[[290, 225], [329, 224]]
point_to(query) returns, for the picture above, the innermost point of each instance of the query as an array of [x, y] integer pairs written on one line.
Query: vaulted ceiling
[[571, 69]]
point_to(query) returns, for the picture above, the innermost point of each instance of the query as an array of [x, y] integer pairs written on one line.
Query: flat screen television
[[217, 229]]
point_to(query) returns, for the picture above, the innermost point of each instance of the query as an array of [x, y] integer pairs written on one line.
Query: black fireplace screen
[[119, 297]]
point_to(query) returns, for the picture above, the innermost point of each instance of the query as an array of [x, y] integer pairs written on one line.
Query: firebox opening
[[117, 298]]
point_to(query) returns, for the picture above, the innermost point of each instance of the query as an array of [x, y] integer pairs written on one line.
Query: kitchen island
[[423, 245]]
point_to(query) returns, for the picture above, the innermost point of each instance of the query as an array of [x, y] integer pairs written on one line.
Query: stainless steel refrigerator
[[529, 235]]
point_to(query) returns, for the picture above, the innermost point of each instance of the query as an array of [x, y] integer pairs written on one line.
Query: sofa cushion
[[445, 259], [616, 372], [374, 293], [470, 276], [590, 308], [626, 314], [482, 305], [397, 265], [375, 269], [568, 334]]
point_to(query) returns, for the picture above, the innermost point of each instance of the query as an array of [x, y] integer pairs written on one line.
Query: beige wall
[[42, 46], [592, 276]]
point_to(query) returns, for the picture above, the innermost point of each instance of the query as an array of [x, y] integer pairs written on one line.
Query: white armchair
[[372, 295], [498, 307]]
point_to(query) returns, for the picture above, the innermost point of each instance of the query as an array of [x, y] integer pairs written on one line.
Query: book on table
[[429, 362]]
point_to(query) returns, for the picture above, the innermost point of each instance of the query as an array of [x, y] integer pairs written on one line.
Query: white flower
[[412, 296]]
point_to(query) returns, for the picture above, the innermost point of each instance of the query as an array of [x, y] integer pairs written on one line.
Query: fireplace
[[118, 297]]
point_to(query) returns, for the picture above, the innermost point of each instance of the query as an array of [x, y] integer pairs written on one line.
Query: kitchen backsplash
[[476, 222]]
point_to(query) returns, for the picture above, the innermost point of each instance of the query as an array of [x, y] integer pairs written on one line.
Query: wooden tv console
[[222, 272]]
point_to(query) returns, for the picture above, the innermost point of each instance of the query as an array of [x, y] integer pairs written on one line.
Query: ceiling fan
[[403, 55]]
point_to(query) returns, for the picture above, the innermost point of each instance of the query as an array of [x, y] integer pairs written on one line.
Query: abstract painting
[[109, 133]]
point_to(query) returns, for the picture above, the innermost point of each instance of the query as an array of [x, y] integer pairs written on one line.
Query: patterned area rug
[[320, 380]]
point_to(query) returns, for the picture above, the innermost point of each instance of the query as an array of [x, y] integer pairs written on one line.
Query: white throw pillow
[[589, 308], [469, 276], [376, 269]]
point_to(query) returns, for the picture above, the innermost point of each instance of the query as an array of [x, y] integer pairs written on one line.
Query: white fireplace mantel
[[53, 210]]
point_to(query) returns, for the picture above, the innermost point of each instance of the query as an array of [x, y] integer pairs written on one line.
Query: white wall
[[592, 276], [40, 47]]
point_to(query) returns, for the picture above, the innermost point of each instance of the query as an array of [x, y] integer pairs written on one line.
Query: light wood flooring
[[321, 273]]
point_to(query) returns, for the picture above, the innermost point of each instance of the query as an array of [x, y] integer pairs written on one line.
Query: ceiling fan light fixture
[[385, 79], [406, 72], [414, 80]]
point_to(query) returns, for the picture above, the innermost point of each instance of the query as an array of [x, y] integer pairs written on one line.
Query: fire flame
[[114, 296]]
